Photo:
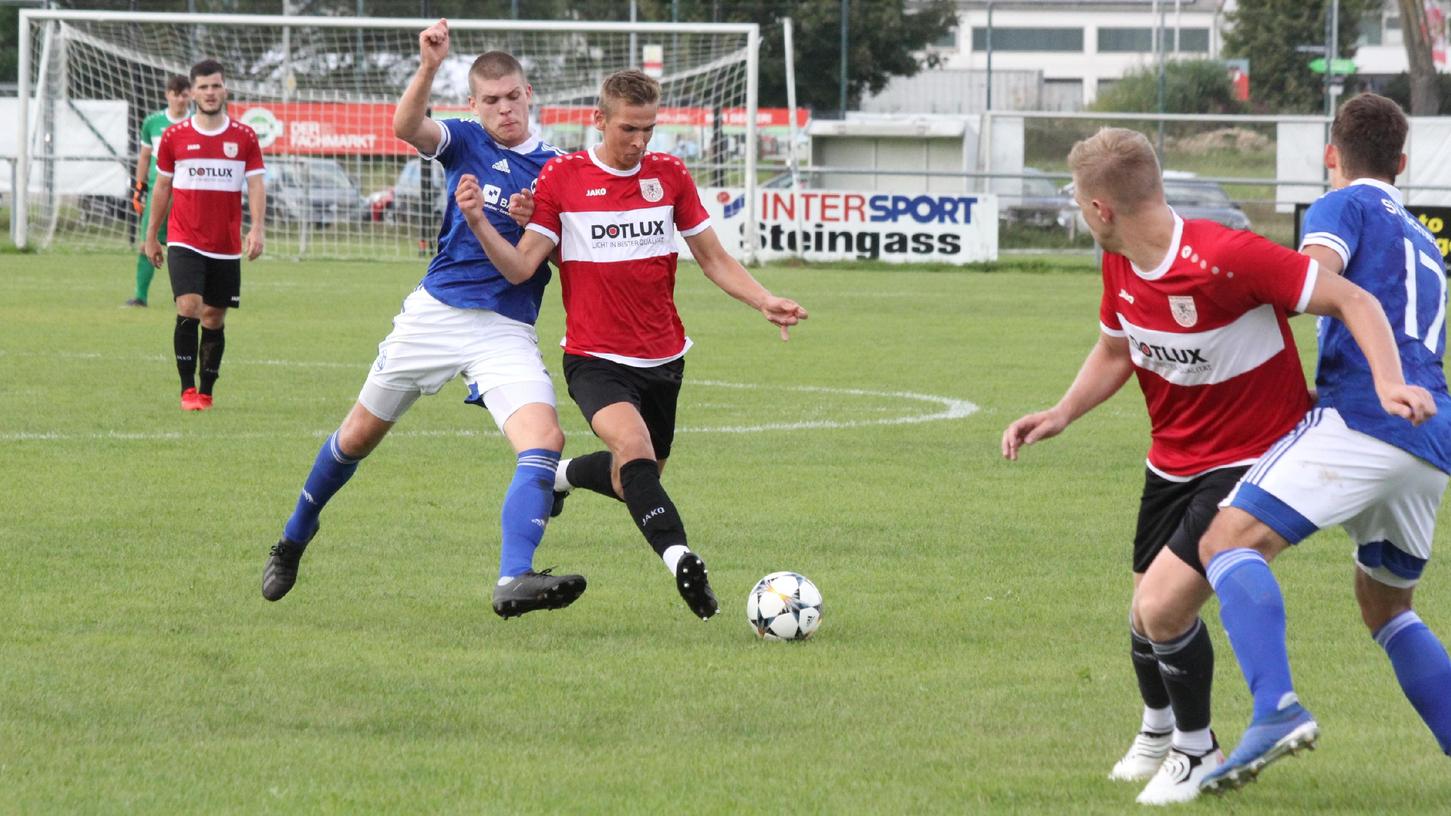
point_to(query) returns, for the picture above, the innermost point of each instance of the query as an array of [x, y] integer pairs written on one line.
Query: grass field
[[973, 656]]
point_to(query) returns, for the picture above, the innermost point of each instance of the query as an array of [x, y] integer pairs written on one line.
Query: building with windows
[[1060, 54], [1080, 47]]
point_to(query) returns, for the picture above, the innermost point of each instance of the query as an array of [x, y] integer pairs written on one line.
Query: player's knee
[[1162, 615], [359, 435], [552, 439]]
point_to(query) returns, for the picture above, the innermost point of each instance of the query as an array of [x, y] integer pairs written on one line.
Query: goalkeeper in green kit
[[178, 100]]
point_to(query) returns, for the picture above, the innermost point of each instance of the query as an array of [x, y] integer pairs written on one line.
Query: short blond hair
[[1117, 164], [631, 87]]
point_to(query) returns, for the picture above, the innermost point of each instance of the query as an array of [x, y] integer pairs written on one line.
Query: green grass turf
[[973, 656]]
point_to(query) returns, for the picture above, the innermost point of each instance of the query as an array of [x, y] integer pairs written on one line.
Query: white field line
[[930, 408]]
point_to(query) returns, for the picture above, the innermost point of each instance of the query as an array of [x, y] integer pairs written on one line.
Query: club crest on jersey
[[1183, 310], [229, 149], [651, 189]]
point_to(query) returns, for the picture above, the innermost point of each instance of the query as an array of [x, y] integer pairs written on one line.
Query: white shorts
[[432, 342], [1324, 473]]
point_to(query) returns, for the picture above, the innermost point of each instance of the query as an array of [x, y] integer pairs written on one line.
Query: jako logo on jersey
[[1168, 354], [659, 511], [1123, 293], [209, 172], [502, 165], [594, 191], [647, 229]]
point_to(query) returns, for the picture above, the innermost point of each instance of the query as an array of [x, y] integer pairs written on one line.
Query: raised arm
[[1104, 372], [410, 120], [516, 264], [733, 279]]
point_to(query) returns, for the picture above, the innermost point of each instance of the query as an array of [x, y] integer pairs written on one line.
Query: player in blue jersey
[[1376, 468], [464, 320]]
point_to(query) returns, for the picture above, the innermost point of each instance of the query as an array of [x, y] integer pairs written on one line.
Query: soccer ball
[[784, 606]]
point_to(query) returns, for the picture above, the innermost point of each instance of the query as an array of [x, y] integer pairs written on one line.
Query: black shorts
[[1176, 514], [217, 280], [594, 383]]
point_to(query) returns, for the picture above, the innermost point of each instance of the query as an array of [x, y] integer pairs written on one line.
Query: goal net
[[320, 92]]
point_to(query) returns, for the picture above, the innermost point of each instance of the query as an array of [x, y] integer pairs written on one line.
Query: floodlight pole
[[989, 54], [1332, 52], [1158, 14], [845, 15]]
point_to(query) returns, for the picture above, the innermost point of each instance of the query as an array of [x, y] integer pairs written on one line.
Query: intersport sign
[[839, 225]]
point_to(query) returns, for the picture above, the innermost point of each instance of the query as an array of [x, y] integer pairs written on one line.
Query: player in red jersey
[[202, 164], [613, 212], [1199, 313]]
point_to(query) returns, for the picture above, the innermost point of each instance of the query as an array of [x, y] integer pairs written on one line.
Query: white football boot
[[1179, 777], [1143, 758]]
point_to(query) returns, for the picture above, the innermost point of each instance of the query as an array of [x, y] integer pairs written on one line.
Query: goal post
[[321, 91]]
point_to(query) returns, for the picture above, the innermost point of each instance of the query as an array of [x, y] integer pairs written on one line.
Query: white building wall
[[1090, 66]]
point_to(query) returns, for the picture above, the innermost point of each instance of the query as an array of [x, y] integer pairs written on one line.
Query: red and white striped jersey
[[1210, 339], [208, 171], [615, 230]]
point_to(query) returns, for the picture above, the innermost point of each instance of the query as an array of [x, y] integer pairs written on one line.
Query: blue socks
[[330, 471], [1253, 612], [1423, 669], [526, 510]]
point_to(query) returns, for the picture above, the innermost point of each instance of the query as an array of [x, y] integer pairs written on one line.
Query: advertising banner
[[844, 225], [1437, 220], [366, 128]]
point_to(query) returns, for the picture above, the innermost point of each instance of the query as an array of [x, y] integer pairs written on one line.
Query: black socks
[[649, 505], [184, 340], [214, 341]]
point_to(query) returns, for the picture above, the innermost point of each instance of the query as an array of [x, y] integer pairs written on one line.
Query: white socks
[[561, 484], [672, 556], [1158, 720]]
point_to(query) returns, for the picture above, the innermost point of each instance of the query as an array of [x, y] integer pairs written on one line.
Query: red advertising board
[[366, 128]]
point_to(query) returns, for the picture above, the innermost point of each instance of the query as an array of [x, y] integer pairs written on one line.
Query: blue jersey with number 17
[[1389, 254]]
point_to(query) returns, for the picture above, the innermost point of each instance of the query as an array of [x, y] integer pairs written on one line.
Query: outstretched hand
[[433, 44], [783, 312], [1031, 428], [1409, 402]]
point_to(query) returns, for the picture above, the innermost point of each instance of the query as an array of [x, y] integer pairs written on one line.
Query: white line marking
[[947, 409]]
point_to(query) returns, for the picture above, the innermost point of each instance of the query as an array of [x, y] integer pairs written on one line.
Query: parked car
[[404, 201], [315, 191], [1189, 195], [1194, 198], [1040, 203]]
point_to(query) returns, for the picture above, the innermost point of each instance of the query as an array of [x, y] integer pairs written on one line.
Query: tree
[[1416, 32], [9, 43], [1266, 32], [1190, 86], [885, 39]]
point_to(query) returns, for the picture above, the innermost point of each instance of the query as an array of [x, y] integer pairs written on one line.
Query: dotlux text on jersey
[[627, 230], [210, 172], [1192, 358]]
